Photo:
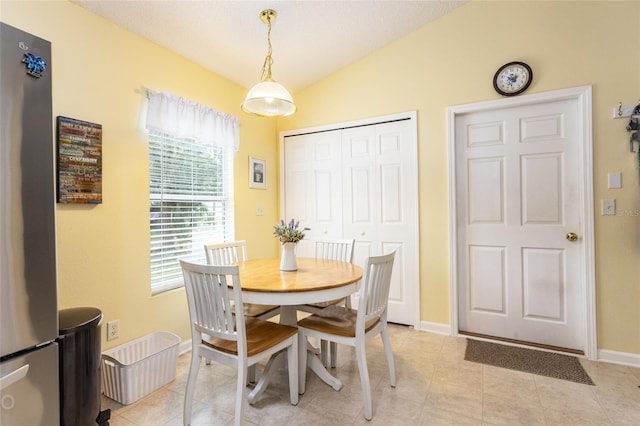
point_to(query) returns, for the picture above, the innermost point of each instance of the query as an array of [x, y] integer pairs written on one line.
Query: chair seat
[[336, 320], [257, 311], [261, 335]]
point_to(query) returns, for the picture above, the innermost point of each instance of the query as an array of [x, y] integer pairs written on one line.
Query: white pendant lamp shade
[[269, 99]]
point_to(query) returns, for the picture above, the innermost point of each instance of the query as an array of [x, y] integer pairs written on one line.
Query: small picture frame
[[257, 173]]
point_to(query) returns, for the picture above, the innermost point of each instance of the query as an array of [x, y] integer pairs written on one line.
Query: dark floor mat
[[542, 363]]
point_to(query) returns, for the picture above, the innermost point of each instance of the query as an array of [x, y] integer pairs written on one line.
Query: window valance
[[182, 118]]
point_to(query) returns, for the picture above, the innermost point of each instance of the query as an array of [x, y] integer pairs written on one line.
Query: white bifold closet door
[[360, 182]]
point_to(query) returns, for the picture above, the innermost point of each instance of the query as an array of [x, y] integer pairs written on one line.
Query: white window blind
[[191, 203], [191, 150]]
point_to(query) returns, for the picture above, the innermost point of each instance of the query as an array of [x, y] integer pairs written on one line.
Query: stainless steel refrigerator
[[29, 393]]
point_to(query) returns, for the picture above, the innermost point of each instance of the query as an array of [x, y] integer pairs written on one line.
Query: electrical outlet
[[608, 208], [113, 329]]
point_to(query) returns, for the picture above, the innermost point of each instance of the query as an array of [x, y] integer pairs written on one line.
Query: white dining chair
[[218, 334], [334, 250], [230, 253], [355, 327]]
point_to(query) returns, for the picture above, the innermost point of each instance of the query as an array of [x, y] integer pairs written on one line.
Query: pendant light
[[268, 98]]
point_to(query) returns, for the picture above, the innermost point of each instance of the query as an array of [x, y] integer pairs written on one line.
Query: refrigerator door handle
[[14, 376]]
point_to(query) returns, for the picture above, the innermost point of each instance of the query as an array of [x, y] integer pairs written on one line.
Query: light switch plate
[[259, 210], [615, 180], [623, 111]]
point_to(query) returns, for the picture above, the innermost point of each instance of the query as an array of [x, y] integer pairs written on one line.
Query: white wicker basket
[[137, 368]]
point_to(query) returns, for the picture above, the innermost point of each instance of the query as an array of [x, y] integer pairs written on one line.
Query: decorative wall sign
[[257, 173], [79, 162]]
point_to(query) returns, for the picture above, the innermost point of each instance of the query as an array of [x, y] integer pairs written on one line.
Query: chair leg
[[324, 352], [364, 379], [302, 362], [387, 349], [191, 386], [251, 378], [334, 354], [292, 360], [241, 393]]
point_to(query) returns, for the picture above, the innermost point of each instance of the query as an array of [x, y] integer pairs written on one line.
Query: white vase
[[288, 257]]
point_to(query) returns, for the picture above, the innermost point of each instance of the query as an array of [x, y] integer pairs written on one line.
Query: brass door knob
[[572, 236]]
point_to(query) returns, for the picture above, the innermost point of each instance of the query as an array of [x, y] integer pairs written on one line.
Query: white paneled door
[[360, 182], [313, 186], [519, 192], [380, 197]]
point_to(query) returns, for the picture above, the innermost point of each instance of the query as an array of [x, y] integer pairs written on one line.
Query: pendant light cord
[[268, 60]]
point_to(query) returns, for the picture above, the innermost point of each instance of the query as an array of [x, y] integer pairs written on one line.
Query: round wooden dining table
[[315, 280]]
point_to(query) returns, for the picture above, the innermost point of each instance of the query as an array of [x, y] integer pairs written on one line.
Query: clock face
[[512, 78]]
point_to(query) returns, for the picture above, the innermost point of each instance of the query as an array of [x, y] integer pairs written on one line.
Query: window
[[191, 148], [190, 203]]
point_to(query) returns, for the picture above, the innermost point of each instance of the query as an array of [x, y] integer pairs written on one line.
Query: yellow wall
[[452, 61], [98, 69], [98, 72]]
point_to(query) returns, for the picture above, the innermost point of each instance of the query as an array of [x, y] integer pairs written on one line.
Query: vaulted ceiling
[[311, 39]]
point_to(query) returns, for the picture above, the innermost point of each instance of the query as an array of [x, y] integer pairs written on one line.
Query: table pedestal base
[[265, 378], [314, 363], [289, 316]]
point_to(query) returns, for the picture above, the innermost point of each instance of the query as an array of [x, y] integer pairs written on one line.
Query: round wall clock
[[513, 78]]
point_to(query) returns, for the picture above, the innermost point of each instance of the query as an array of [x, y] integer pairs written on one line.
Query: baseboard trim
[[621, 358], [435, 327], [184, 347]]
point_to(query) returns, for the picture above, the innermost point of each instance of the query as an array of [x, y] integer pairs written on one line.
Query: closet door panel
[[312, 182], [398, 226], [326, 190], [361, 191], [297, 181]]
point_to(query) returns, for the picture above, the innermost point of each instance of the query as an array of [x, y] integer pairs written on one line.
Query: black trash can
[[79, 361]]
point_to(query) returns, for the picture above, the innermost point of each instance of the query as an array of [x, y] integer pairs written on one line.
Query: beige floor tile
[[314, 415], [459, 374], [562, 394], [621, 404], [391, 407], [446, 418], [501, 411], [515, 386], [605, 375], [154, 409], [410, 388], [203, 415], [347, 401], [117, 420], [456, 398], [576, 416]]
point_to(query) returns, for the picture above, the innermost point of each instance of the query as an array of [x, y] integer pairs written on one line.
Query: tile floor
[[435, 386]]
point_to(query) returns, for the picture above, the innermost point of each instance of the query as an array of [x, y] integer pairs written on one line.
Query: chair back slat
[[209, 289], [335, 250], [227, 253], [374, 290]]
